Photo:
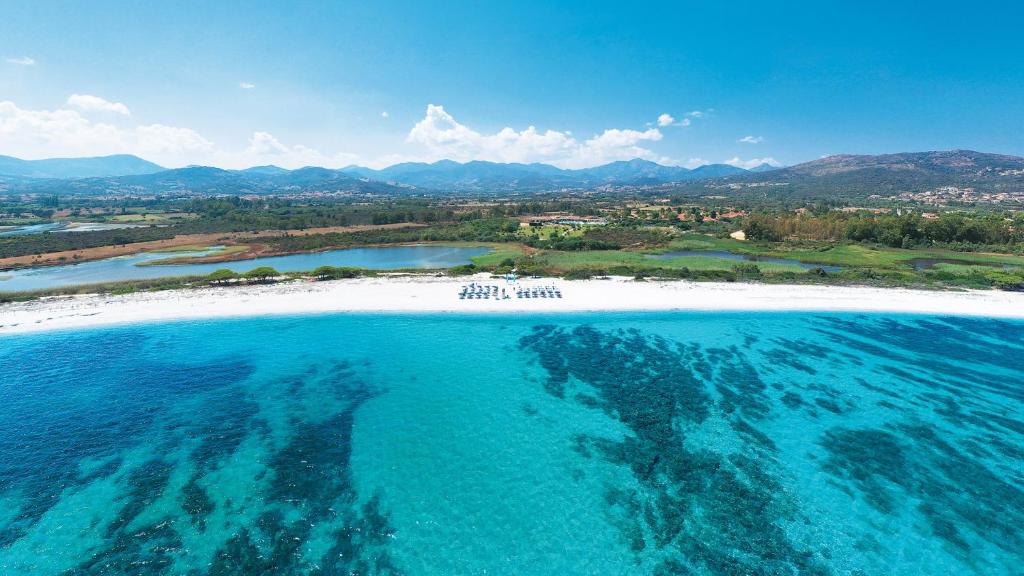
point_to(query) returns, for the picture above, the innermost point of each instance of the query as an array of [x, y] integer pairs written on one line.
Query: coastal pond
[[64, 227], [147, 265]]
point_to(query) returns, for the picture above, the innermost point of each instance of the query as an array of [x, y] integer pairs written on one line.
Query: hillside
[[100, 166], [883, 175]]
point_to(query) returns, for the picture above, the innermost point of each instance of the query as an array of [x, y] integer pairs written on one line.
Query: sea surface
[[146, 265], [613, 443]]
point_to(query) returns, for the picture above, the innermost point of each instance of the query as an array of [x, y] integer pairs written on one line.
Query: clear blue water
[[127, 267], [742, 258], [667, 443]]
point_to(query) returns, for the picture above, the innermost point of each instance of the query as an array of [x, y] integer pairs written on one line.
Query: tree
[[261, 274], [335, 272], [222, 276]]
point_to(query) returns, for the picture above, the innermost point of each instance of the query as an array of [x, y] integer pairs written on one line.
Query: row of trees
[[907, 230]]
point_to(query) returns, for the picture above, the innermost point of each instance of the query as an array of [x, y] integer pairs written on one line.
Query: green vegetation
[[336, 273], [261, 274], [893, 244], [222, 276]]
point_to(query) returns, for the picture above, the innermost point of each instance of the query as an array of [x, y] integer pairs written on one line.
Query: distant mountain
[[269, 170], [480, 176], [206, 180], [846, 174], [100, 166], [888, 174], [763, 167], [714, 171], [944, 163]]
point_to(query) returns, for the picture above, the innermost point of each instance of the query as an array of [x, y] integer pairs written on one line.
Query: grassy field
[[844, 254], [499, 253], [607, 259]]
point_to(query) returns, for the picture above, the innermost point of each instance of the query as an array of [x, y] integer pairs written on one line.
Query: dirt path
[[226, 238]]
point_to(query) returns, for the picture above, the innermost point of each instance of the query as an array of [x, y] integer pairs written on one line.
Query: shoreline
[[405, 294], [80, 255]]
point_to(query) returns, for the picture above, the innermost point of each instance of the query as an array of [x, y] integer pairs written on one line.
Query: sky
[[574, 84]]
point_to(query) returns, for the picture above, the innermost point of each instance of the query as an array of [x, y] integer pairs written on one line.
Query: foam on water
[[659, 443]]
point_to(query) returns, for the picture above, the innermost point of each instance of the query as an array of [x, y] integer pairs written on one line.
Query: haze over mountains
[[117, 165], [127, 174]]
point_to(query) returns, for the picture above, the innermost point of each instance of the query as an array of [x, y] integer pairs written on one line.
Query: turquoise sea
[[657, 443]]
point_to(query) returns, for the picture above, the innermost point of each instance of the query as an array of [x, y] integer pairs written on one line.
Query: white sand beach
[[441, 294]]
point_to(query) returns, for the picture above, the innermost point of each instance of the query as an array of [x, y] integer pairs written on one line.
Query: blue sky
[[236, 84]]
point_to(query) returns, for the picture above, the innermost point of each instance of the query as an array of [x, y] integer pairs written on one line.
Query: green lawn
[[605, 259], [840, 254]]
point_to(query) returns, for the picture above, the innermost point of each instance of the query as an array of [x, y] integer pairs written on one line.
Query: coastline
[[440, 295]]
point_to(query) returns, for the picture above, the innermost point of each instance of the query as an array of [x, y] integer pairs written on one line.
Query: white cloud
[[444, 137], [696, 114], [92, 103], [22, 61], [751, 139], [71, 130], [385, 115], [669, 120], [695, 162], [246, 85], [752, 163], [265, 148], [171, 141], [65, 132]]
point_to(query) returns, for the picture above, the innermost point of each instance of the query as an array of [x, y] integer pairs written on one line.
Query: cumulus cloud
[[385, 115], [751, 139], [695, 162], [22, 61], [92, 103], [752, 163], [68, 132], [171, 141], [444, 137], [669, 120], [696, 114], [246, 85], [265, 148]]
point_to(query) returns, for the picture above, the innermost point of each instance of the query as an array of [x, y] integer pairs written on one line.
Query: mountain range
[[845, 173], [889, 174], [117, 165]]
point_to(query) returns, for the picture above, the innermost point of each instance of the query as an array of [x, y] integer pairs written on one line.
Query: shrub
[[335, 272]]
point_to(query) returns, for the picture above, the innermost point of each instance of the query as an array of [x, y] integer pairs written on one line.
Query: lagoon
[[144, 266], [65, 227]]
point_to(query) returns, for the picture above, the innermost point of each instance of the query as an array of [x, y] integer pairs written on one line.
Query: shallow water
[[127, 267], [65, 227], [742, 258], [657, 443]]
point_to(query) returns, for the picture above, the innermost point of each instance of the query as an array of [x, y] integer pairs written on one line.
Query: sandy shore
[[440, 294]]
